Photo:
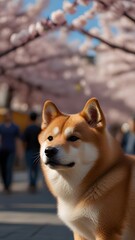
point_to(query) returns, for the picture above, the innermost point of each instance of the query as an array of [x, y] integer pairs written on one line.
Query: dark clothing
[[31, 137], [128, 143], [8, 136], [33, 167], [6, 166]]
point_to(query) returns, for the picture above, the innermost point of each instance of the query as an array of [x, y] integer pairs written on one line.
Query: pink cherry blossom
[[83, 2], [69, 7], [58, 17], [79, 22]]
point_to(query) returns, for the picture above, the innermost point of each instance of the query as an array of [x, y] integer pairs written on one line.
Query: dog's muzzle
[[52, 158]]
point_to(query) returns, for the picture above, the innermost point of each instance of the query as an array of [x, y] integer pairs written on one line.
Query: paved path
[[27, 216]]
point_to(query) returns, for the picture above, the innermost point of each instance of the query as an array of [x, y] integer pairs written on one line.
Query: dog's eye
[[50, 138], [72, 138]]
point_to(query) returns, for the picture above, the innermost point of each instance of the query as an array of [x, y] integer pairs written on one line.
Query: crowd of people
[[11, 138], [10, 141]]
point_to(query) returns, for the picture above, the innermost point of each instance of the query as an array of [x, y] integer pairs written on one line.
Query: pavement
[[30, 216]]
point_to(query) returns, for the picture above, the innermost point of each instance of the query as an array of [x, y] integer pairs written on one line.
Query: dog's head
[[71, 141]]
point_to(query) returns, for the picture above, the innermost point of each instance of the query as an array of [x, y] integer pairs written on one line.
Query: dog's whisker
[[36, 154], [37, 159]]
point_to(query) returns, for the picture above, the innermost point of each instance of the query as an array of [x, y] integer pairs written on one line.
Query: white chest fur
[[80, 220]]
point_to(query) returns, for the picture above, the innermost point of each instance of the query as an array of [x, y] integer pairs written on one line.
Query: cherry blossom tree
[[34, 64], [39, 62], [115, 53], [120, 66]]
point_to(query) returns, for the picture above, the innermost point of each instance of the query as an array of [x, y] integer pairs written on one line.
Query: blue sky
[[57, 4]]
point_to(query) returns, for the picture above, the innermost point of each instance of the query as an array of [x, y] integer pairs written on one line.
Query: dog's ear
[[93, 114], [50, 111]]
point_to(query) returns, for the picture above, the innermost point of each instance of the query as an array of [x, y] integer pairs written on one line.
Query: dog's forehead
[[66, 125], [73, 124]]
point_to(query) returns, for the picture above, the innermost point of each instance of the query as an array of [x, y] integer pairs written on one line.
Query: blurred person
[[30, 138], [9, 134], [115, 130], [128, 140]]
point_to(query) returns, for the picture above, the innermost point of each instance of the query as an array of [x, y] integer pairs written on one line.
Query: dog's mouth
[[55, 164]]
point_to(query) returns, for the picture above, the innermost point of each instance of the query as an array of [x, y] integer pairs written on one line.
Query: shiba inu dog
[[86, 170]]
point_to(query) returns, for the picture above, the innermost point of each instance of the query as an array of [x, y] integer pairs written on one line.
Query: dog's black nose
[[51, 151]]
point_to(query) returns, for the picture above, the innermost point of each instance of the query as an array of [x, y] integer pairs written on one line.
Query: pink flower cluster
[[24, 35]]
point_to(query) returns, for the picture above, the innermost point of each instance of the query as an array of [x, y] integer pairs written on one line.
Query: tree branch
[[122, 72], [111, 45], [12, 49], [4, 70], [106, 6], [37, 86], [129, 17], [50, 26]]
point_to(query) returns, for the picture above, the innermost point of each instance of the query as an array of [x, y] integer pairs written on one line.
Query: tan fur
[[96, 197]]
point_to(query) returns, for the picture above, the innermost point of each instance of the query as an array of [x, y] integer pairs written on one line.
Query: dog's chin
[[59, 166]]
